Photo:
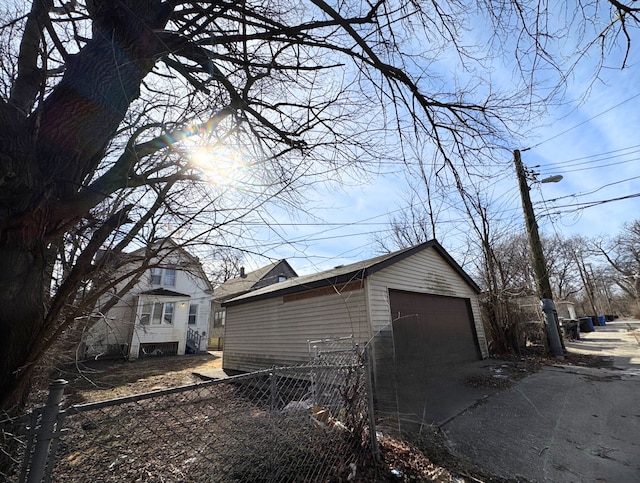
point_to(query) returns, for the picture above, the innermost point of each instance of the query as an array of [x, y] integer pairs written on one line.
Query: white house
[[165, 311]]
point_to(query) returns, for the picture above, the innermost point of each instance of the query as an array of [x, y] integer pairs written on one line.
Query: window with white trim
[[156, 276], [193, 314], [164, 276], [169, 277], [157, 313]]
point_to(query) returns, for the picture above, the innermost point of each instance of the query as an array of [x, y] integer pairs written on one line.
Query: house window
[[168, 313], [145, 314], [218, 318], [156, 313], [193, 314], [156, 276], [156, 316], [281, 278], [169, 279], [163, 276]]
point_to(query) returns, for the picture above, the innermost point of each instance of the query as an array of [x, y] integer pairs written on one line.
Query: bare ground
[[425, 459], [91, 381]]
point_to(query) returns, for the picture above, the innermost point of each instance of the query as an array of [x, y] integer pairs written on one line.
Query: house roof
[[349, 273], [243, 284], [164, 293], [170, 245]]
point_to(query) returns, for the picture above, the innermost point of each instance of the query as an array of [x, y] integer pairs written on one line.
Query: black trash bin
[[586, 324]]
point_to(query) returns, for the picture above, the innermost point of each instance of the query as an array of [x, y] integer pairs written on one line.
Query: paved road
[[564, 423]]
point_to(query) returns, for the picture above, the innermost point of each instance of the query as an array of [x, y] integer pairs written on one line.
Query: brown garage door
[[432, 329]]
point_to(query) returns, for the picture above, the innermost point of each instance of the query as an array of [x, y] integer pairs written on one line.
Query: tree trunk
[[22, 315], [54, 150]]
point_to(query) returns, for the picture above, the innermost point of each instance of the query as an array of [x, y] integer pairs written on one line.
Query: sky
[[592, 141]]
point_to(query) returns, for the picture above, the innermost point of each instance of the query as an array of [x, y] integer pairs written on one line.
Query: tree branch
[[27, 84]]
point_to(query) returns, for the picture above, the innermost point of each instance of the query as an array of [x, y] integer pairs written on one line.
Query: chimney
[[242, 274]]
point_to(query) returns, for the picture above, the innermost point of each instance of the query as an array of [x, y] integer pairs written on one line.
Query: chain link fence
[[306, 423]]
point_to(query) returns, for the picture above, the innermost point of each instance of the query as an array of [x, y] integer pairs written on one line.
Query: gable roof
[[243, 284], [171, 246], [349, 273]]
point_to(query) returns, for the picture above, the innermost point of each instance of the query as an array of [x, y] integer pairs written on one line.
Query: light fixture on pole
[[552, 179], [537, 258]]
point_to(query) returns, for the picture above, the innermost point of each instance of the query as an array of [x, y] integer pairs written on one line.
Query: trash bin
[[594, 320], [571, 329], [586, 324], [602, 320]]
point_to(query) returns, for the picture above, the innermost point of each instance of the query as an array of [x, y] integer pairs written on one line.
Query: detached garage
[[415, 306]]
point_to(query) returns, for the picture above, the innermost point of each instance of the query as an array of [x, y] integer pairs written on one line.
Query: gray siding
[[273, 332], [424, 272]]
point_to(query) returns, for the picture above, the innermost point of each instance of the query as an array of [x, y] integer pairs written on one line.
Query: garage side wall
[[424, 272], [275, 331]]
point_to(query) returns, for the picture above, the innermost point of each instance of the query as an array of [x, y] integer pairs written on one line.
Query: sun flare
[[220, 166]]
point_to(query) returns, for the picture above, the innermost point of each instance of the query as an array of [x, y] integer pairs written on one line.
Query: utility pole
[[539, 264]]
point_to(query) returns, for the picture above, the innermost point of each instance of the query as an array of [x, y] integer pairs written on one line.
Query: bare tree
[[104, 103], [622, 256]]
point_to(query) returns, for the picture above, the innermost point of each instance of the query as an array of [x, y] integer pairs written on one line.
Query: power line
[[585, 121], [608, 154], [591, 204], [550, 170], [585, 193]]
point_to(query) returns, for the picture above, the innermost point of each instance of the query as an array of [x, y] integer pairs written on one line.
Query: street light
[[552, 179], [537, 257]]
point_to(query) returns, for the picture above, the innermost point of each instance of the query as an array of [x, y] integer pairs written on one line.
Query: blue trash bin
[[602, 320]]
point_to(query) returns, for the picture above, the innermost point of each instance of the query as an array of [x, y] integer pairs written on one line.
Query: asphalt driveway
[[563, 423]]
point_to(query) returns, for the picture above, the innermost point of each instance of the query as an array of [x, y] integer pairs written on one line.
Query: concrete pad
[[439, 394], [563, 423], [558, 425], [211, 374], [617, 341]]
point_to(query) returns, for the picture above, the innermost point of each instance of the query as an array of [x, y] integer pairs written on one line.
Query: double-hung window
[[218, 318], [163, 276], [156, 276], [169, 277], [193, 314]]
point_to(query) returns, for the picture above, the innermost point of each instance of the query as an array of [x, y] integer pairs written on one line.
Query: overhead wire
[[562, 133], [590, 192]]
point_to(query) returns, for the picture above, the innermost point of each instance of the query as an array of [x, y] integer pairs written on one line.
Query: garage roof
[[348, 273]]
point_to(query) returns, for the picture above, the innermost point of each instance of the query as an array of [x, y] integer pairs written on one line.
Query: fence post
[[45, 433], [375, 449], [273, 388]]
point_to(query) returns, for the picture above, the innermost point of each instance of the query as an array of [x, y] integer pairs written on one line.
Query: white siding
[[160, 333], [109, 335], [424, 272], [123, 325], [272, 332]]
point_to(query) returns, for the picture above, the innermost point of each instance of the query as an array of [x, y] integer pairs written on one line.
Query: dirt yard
[[91, 381], [427, 459]]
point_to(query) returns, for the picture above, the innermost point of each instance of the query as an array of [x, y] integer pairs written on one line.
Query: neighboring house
[[166, 311], [416, 306], [275, 272]]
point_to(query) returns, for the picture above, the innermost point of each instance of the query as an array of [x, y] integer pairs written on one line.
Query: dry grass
[[91, 381]]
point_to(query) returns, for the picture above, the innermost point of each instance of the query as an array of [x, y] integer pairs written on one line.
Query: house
[[163, 306], [415, 306], [276, 272]]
